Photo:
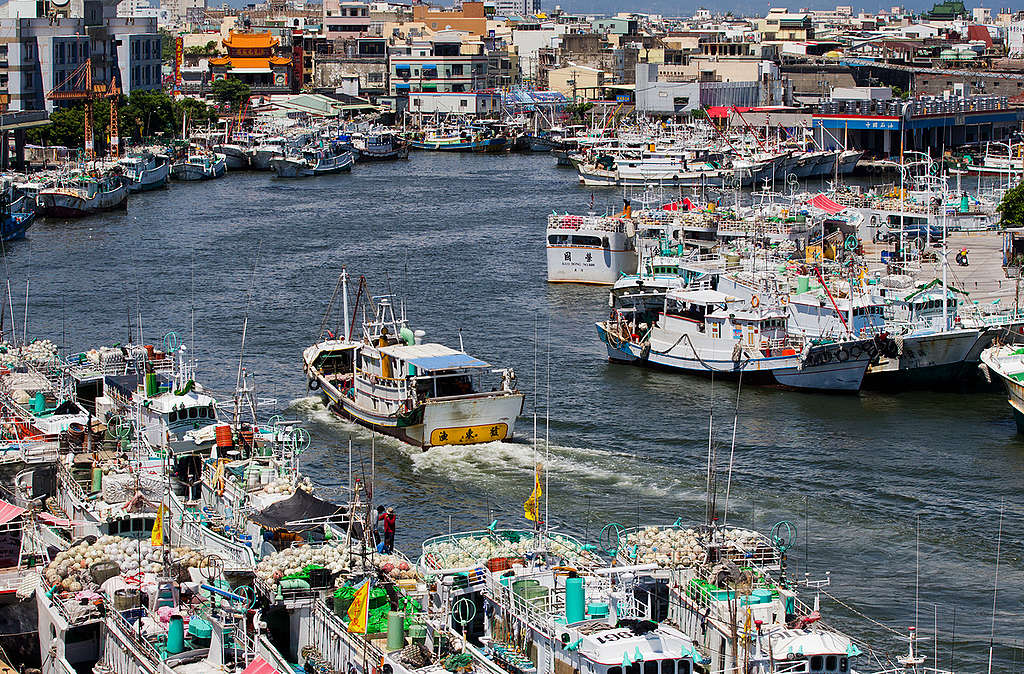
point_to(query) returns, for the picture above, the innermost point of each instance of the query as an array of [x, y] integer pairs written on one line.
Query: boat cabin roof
[[809, 642], [704, 296], [433, 357]]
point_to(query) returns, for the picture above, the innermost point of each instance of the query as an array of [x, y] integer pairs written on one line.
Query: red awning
[[260, 666], [826, 204], [8, 511], [55, 521], [723, 111]]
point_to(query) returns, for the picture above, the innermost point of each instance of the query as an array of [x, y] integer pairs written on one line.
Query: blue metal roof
[[428, 66], [449, 361]]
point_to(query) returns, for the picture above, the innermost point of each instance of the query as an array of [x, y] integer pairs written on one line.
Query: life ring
[[784, 300], [755, 301], [313, 384]]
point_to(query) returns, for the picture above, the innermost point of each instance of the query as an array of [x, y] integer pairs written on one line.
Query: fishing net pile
[[87, 565], [673, 546], [336, 558]]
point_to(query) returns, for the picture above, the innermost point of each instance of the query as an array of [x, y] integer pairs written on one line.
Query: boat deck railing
[[126, 650], [449, 550]]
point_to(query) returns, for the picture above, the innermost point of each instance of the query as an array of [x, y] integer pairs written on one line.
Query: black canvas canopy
[[301, 507]]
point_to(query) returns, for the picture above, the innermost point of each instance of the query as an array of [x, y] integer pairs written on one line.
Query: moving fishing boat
[[312, 162], [392, 381], [200, 166], [77, 196], [145, 172]]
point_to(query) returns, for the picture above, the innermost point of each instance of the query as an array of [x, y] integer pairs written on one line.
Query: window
[[684, 667], [816, 663], [463, 103], [651, 667], [457, 70], [173, 416], [615, 670], [591, 241], [832, 663]]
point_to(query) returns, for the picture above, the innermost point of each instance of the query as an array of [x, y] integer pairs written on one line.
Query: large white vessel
[[595, 249], [422, 393]]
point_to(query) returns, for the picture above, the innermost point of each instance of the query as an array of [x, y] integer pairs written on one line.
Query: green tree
[[168, 45], [67, 127], [1011, 208], [230, 91], [197, 112], [147, 113], [143, 114]]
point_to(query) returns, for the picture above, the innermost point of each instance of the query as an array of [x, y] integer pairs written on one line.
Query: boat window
[[843, 664], [586, 240], [193, 413], [202, 412], [173, 416], [651, 667], [633, 668], [683, 667], [816, 663], [615, 670], [558, 239], [212, 413], [832, 663], [605, 243]]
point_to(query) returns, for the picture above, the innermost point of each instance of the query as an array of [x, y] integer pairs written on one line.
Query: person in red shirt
[[388, 519]]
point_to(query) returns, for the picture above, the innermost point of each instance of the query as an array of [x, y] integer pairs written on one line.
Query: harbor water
[[896, 497]]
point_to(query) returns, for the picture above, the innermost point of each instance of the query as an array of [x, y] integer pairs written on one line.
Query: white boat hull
[[151, 179], [824, 368], [591, 264]]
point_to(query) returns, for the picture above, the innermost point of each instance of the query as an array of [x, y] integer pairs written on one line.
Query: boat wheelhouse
[[426, 394]]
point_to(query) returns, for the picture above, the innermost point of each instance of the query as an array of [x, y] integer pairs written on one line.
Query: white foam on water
[[496, 462]]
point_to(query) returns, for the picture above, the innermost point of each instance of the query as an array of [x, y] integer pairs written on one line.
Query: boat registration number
[[468, 435]]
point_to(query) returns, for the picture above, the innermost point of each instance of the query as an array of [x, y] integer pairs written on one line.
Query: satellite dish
[[60, 3]]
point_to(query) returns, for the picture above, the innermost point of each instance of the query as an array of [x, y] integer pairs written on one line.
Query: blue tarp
[[402, 66], [402, 85], [447, 362], [429, 66]]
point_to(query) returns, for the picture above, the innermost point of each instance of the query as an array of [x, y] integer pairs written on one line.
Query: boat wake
[[488, 463]]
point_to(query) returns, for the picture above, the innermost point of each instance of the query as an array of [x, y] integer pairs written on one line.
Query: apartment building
[[444, 63]]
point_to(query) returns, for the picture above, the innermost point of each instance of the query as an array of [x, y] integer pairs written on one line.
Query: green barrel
[[574, 599], [176, 635], [418, 634], [396, 630]]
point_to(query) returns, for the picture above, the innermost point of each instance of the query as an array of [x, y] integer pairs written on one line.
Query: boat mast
[[344, 299], [945, 259]]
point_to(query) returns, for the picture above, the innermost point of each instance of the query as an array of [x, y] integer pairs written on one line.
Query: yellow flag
[[157, 537], [357, 612], [531, 508]]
